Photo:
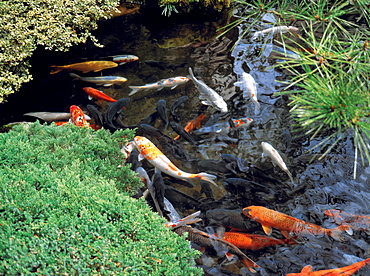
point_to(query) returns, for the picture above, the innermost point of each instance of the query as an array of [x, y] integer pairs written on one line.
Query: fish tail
[[249, 264], [290, 176], [77, 77], [191, 73], [135, 89], [256, 107], [208, 177], [56, 69], [336, 233]]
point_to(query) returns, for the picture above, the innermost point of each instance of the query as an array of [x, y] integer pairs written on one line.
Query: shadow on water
[[175, 46]]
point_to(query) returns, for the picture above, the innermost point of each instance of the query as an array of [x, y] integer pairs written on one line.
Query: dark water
[[318, 186]]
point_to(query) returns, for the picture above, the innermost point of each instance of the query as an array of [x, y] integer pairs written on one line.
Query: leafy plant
[[52, 24], [65, 208]]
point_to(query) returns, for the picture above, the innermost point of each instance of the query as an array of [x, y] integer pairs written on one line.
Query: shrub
[[65, 208], [52, 24]]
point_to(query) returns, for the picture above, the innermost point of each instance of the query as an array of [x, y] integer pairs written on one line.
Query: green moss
[[65, 208]]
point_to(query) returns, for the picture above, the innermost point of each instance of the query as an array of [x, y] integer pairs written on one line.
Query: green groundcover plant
[[65, 208]]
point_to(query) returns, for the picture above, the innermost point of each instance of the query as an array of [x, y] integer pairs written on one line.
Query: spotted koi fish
[[78, 117], [341, 271], [154, 156], [286, 224]]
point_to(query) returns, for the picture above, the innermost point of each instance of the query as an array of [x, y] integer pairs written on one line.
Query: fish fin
[[77, 77], [56, 69], [249, 264], [140, 157], [121, 63], [267, 229], [208, 177], [173, 87], [256, 107], [238, 83], [290, 176], [89, 97], [135, 89], [336, 233], [160, 88], [107, 84], [286, 234], [307, 269], [206, 102]]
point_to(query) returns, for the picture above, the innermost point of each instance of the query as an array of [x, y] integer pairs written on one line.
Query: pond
[[167, 49]]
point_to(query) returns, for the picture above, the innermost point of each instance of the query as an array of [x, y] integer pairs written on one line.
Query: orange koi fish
[[286, 224], [97, 94], [252, 241], [78, 117], [155, 157], [342, 271], [84, 67], [191, 125], [356, 222]]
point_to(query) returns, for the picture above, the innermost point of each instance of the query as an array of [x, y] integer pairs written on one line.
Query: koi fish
[[252, 241], [123, 59], [162, 112], [105, 80], [286, 224], [182, 132], [210, 241], [49, 116], [154, 156], [225, 127], [233, 219], [342, 271], [84, 67], [78, 117], [356, 222], [171, 82], [249, 87], [113, 109], [276, 158], [191, 125], [274, 30], [208, 95], [176, 104], [97, 94]]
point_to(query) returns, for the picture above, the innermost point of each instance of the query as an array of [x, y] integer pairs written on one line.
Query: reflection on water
[[319, 185]]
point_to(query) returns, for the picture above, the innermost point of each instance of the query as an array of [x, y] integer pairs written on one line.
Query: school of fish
[[162, 150]]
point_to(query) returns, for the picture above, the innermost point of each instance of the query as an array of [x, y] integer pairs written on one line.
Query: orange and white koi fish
[[171, 82], [78, 117], [274, 30], [342, 271], [97, 94], [252, 241], [286, 224], [84, 67], [123, 59], [154, 156], [276, 158], [249, 87], [356, 222]]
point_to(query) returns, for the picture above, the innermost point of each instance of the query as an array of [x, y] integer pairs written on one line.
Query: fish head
[[251, 211], [222, 106], [87, 89], [77, 116], [121, 79]]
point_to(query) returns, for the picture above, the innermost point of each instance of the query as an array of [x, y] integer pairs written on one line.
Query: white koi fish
[[155, 157], [249, 86], [104, 80], [274, 30], [123, 59], [276, 158], [171, 82], [208, 95]]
